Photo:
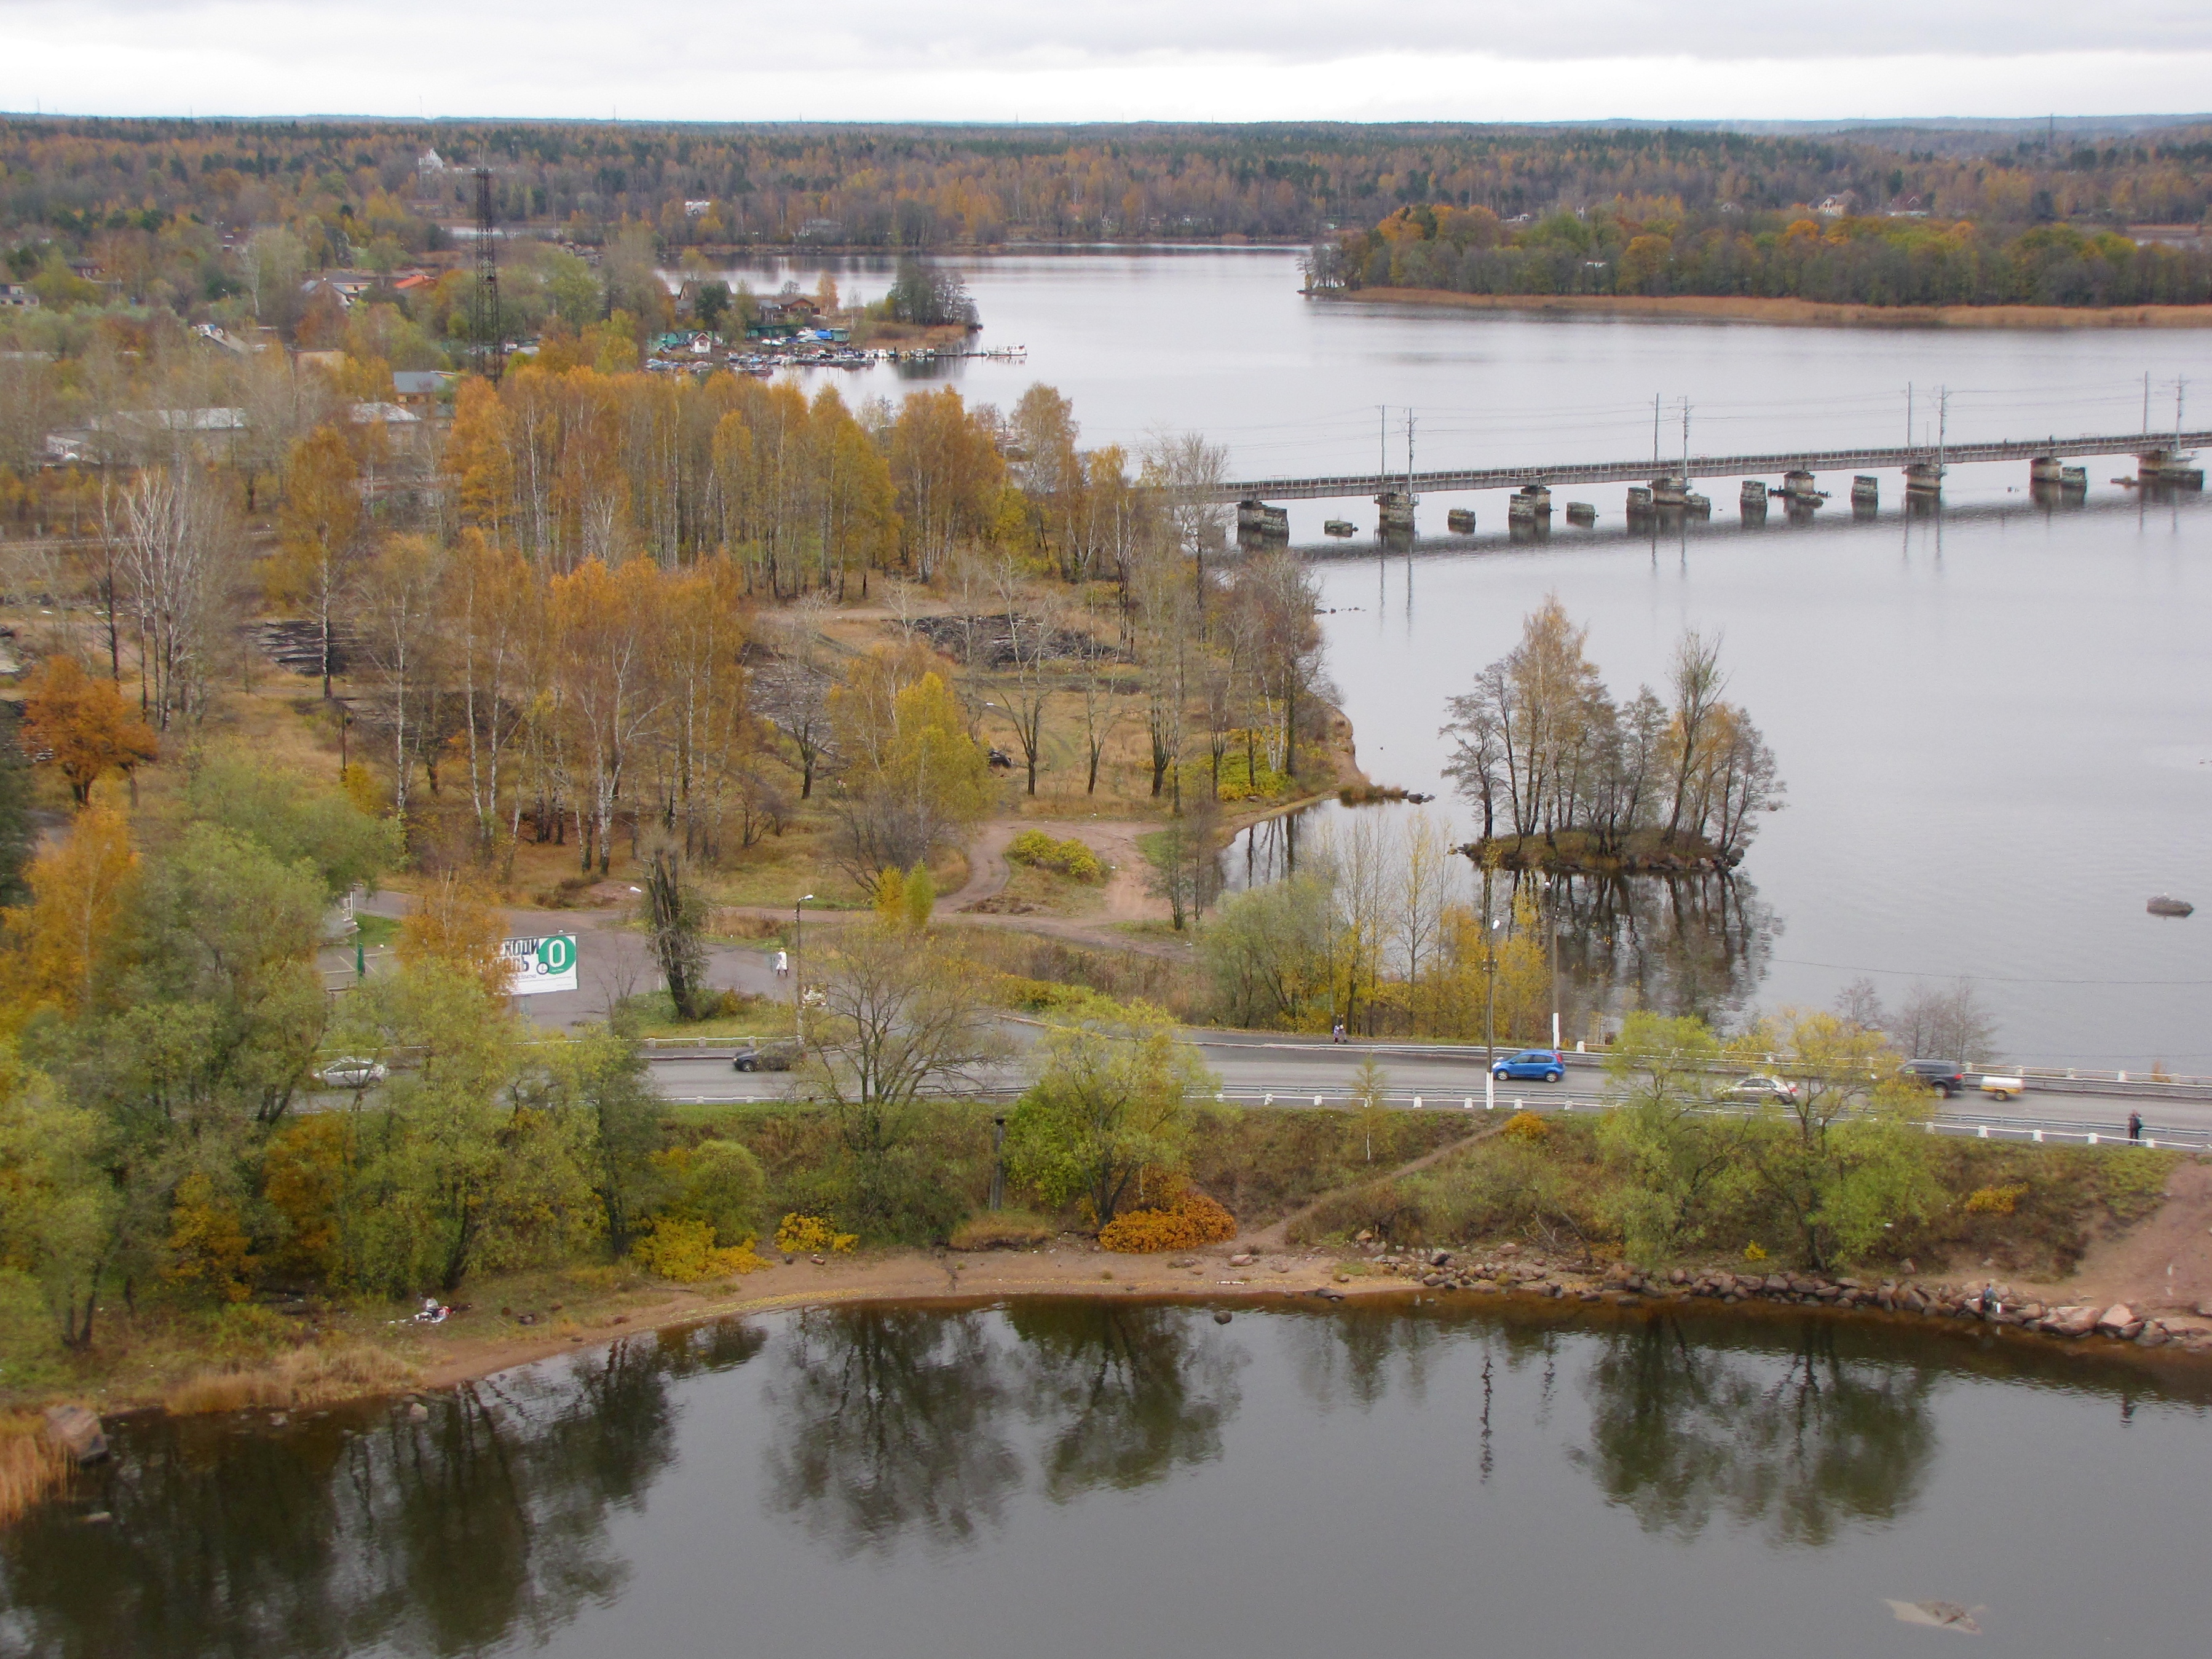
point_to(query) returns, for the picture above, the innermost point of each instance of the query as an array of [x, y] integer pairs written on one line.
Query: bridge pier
[[1923, 482], [1258, 523], [1528, 504], [2168, 469], [1396, 509]]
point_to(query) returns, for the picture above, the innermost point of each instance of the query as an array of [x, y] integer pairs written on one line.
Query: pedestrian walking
[[1336, 1032], [783, 965], [2135, 1125]]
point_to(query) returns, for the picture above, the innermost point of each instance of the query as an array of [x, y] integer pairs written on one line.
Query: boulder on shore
[[2072, 1321], [2119, 1321]]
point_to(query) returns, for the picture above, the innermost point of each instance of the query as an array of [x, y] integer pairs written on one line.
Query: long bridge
[[2157, 450]]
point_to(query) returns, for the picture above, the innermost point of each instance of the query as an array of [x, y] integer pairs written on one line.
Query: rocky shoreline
[[1509, 1269]]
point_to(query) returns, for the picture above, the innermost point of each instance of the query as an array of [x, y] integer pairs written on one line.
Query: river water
[[1080, 1477], [1993, 724]]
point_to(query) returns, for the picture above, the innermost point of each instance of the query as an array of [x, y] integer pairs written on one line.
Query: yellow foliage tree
[[459, 926], [60, 945], [318, 530]]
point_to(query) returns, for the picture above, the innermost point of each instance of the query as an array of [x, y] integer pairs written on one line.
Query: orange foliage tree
[[82, 726]]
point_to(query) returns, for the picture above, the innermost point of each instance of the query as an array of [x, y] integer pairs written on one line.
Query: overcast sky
[[1122, 59]]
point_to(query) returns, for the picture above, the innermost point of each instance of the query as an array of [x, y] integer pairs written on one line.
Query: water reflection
[[891, 1420], [515, 1513], [485, 1520], [1679, 1433], [1125, 1395], [897, 1423], [1675, 943], [1679, 944]]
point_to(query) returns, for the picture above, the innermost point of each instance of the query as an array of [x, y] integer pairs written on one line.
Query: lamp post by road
[[1552, 945], [799, 970]]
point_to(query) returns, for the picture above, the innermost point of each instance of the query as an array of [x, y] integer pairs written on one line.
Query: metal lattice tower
[[490, 337]]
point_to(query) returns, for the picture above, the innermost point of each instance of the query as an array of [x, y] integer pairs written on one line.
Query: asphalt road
[[1255, 1066]]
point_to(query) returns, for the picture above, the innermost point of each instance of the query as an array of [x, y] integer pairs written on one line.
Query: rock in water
[[1945, 1616], [1221, 1316], [75, 1430], [2164, 905]]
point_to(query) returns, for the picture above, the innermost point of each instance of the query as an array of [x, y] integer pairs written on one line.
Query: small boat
[[2166, 906], [1339, 527]]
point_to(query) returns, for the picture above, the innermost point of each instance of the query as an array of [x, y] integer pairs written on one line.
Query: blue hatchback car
[[1530, 1065]]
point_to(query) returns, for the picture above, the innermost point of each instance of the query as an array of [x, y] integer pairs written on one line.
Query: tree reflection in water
[[1124, 1395], [1679, 1433], [894, 1422], [890, 1419], [484, 1520], [1675, 943]]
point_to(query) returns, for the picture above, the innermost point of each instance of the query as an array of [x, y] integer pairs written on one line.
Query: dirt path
[[2163, 1264], [1276, 1237]]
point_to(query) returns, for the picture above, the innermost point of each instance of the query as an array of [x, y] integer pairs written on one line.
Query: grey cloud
[[996, 34]]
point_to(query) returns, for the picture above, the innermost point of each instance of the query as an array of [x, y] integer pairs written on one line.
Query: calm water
[[1075, 1477], [1995, 727]]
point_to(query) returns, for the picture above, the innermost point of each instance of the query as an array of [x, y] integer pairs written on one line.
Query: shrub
[[1196, 1219], [683, 1249], [1069, 858], [1006, 1230], [1528, 1127], [812, 1235], [1995, 1200]]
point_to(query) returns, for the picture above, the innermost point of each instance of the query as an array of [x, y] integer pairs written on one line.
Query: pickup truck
[[2002, 1087]]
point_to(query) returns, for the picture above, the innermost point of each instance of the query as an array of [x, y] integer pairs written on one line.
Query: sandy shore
[[475, 1344], [1685, 307]]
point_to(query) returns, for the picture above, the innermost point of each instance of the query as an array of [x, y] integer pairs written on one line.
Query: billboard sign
[[541, 964]]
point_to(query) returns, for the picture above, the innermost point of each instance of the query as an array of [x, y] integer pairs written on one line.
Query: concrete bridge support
[[1396, 510]]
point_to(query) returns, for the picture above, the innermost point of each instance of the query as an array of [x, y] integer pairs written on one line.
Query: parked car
[[2003, 1088], [1530, 1064], [1940, 1075], [778, 1056], [1763, 1090], [351, 1072]]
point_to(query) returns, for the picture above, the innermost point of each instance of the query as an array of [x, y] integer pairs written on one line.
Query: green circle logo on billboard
[[540, 965]]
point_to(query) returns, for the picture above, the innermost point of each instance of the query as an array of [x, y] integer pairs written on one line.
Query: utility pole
[[1654, 432], [491, 337], [1686, 446], [1908, 414], [2146, 425]]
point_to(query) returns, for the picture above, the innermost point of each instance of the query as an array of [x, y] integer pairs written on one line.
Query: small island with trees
[[1566, 779]]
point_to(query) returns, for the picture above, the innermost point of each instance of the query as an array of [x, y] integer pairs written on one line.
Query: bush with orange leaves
[[1192, 1220]]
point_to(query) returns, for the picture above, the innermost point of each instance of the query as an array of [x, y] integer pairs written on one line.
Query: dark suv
[[766, 1056], [1940, 1075]]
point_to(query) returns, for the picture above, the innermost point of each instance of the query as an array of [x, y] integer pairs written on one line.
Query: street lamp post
[[1552, 945], [799, 969]]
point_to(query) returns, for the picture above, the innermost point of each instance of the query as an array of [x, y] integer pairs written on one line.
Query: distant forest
[[155, 212]]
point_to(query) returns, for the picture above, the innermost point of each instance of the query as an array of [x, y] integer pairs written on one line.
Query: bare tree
[[1029, 640], [1101, 714], [1949, 1022], [793, 690], [179, 549]]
